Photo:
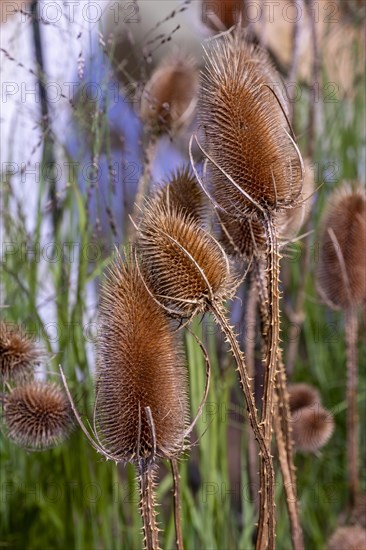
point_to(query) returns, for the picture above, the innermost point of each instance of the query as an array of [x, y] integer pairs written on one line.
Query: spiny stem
[[177, 512], [352, 413], [147, 506], [266, 528]]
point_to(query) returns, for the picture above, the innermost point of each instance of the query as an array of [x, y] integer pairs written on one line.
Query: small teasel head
[[302, 395], [170, 96], [349, 537], [19, 355], [141, 391], [37, 415], [187, 268], [312, 427], [341, 272], [245, 130], [182, 192]]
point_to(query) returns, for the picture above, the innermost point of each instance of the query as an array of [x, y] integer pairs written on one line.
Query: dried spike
[[312, 427], [141, 373], [302, 395], [344, 219], [170, 96], [348, 538], [19, 355], [37, 415], [244, 128]]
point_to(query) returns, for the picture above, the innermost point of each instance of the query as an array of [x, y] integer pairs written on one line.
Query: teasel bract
[[141, 402], [189, 273], [254, 170], [19, 355], [341, 281], [37, 415]]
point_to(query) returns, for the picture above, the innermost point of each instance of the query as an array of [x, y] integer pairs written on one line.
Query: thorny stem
[[352, 413], [176, 496], [147, 506], [143, 184], [282, 415], [266, 527]]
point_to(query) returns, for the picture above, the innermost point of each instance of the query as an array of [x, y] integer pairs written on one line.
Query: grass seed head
[[187, 267], [345, 218], [37, 415], [140, 365], [312, 428], [348, 538], [18, 354], [243, 127], [169, 97], [302, 395]]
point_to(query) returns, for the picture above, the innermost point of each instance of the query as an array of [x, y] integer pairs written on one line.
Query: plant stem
[[147, 507], [266, 526], [176, 494], [352, 413]]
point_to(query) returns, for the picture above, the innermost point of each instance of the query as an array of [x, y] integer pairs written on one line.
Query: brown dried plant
[[37, 415], [255, 170], [312, 427], [189, 273], [351, 537], [222, 15], [141, 403], [302, 395], [341, 280], [19, 354]]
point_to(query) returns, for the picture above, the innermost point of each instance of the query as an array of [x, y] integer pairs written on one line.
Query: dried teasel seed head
[[140, 369], [244, 129], [170, 96], [242, 238], [182, 192], [37, 415], [187, 267], [348, 538], [302, 395], [341, 272], [18, 354], [222, 13], [312, 428]]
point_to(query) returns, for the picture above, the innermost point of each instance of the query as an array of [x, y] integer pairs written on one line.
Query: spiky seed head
[[345, 218], [223, 13], [244, 129], [37, 415], [358, 515], [140, 365], [242, 238], [351, 537], [312, 428], [187, 267], [170, 96], [19, 355], [183, 193], [302, 395]]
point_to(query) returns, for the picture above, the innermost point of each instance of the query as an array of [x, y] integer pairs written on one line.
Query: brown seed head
[[358, 514], [302, 395], [18, 354], [222, 13], [169, 98], [187, 267], [140, 365], [348, 538], [37, 415], [244, 129], [242, 238], [312, 427], [182, 192], [345, 220]]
